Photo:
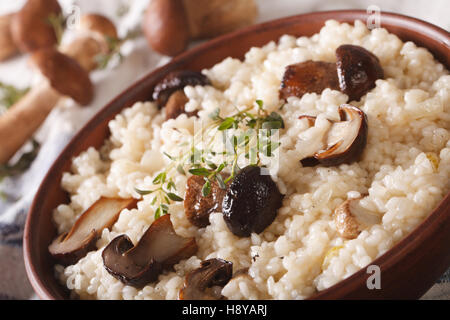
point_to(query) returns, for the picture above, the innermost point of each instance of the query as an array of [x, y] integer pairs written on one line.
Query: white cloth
[[67, 119]]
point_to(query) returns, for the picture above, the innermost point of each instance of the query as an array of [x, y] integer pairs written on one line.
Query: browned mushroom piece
[[345, 140], [158, 249], [7, 46], [69, 247], [175, 105], [357, 69], [30, 27], [206, 282], [65, 74], [177, 80], [198, 207], [308, 76], [350, 218]]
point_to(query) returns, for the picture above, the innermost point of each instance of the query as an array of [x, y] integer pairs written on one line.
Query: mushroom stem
[[7, 46], [19, 123], [84, 49], [24, 118]]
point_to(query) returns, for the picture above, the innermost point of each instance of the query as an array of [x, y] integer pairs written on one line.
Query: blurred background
[[131, 58]]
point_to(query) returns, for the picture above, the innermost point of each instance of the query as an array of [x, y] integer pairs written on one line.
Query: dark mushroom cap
[[158, 249], [212, 273], [251, 202], [177, 80], [64, 74], [30, 27], [357, 69], [100, 24], [308, 76]]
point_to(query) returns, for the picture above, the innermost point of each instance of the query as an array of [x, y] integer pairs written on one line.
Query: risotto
[[402, 173]]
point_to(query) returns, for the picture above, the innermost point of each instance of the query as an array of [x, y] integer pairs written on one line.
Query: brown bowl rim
[[346, 286]]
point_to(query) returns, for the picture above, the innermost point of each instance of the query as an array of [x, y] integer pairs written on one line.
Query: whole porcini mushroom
[[64, 77], [65, 74], [351, 218], [7, 46], [31, 28], [69, 247], [158, 249], [165, 26], [207, 281], [95, 33], [77, 58], [169, 25]]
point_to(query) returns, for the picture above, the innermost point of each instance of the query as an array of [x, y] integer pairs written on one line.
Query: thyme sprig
[[114, 48], [9, 94], [59, 23], [24, 162], [244, 133]]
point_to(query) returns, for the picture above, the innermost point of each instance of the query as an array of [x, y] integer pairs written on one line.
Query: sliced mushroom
[[344, 142], [351, 218], [308, 76], [251, 202], [206, 282], [175, 105], [346, 139], [197, 207], [30, 27], [357, 69], [69, 247], [177, 80], [158, 249]]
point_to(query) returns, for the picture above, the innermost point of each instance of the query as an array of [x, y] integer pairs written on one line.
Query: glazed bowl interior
[[39, 228]]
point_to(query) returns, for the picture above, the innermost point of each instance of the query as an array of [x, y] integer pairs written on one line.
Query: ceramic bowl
[[407, 270]]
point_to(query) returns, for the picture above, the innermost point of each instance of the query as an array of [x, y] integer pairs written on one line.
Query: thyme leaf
[[9, 94]]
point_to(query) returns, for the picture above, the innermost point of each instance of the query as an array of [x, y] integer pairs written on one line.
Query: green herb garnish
[[251, 138], [9, 94], [24, 162], [114, 47]]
